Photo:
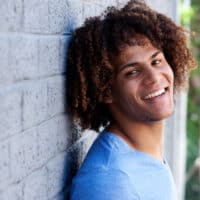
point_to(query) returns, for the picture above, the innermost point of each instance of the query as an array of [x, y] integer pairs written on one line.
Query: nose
[[152, 76]]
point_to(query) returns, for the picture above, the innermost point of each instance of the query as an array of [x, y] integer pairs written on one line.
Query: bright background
[[190, 18]]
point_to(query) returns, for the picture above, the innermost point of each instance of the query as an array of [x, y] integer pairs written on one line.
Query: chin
[[167, 112], [160, 117], [165, 116]]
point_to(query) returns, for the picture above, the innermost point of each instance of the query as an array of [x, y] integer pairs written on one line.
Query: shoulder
[[108, 149], [103, 184]]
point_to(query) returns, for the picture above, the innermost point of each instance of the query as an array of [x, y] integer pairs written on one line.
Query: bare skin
[[149, 140], [141, 98]]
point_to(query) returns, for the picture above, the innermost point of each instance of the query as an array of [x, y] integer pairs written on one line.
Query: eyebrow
[[135, 63], [155, 54]]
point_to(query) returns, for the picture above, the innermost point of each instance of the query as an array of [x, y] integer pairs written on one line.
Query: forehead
[[135, 53]]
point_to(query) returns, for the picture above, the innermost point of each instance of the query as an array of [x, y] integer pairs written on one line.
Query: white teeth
[[154, 94]]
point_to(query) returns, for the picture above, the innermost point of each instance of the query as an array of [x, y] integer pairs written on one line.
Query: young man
[[123, 70]]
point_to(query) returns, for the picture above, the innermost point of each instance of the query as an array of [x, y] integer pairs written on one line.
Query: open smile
[[155, 94]]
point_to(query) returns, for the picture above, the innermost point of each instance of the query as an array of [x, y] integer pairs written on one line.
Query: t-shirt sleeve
[[102, 185]]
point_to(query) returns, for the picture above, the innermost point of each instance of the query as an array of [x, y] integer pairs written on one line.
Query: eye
[[133, 72], [156, 62]]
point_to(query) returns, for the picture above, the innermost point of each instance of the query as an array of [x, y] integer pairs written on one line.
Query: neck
[[146, 137]]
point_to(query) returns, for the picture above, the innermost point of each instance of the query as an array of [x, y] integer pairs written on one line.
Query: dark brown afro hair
[[93, 46]]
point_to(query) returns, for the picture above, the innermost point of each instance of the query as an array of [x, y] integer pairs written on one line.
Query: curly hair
[[93, 45]]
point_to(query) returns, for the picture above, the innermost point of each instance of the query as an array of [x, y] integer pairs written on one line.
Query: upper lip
[[154, 92]]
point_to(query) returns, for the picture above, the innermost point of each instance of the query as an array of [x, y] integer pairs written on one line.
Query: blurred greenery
[[190, 17], [186, 14]]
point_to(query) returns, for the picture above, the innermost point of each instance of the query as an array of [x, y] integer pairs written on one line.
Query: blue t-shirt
[[112, 170]]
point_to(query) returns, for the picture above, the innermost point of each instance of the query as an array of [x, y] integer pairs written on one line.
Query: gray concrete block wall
[[38, 152]]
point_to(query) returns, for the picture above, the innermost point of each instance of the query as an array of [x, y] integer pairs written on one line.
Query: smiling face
[[142, 89]]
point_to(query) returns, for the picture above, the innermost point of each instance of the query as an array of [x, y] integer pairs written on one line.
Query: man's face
[[142, 88]]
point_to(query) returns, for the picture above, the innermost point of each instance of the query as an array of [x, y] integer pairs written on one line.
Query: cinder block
[[36, 18], [10, 112], [56, 95], [64, 134], [35, 185], [99, 9], [90, 137], [64, 15], [12, 192], [5, 76], [60, 196], [53, 16], [58, 16], [63, 45], [11, 15], [83, 145], [4, 163], [23, 57], [101, 6], [89, 9], [122, 2], [58, 171], [17, 157], [34, 103], [105, 3], [96, 8], [47, 140], [24, 154], [165, 7], [48, 55]]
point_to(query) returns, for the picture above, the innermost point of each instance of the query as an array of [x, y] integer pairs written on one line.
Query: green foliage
[[186, 14], [191, 17]]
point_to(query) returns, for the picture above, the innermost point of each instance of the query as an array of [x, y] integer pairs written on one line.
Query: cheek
[[132, 93], [170, 74], [122, 92], [126, 88]]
